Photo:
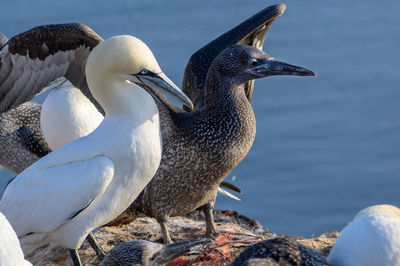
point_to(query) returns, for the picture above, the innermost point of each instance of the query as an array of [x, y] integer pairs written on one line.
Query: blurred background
[[326, 147]]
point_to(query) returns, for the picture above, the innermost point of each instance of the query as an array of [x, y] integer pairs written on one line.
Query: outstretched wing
[[31, 60], [41, 199], [251, 32]]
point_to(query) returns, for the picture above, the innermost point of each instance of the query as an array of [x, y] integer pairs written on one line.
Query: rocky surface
[[236, 233]]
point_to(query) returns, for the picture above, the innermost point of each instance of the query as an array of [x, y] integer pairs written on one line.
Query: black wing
[[31, 60], [251, 32]]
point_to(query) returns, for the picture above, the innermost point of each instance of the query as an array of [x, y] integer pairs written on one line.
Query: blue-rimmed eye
[[144, 71], [253, 62]]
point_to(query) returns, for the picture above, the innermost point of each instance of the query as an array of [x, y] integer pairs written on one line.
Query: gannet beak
[[159, 81], [172, 251], [272, 67]]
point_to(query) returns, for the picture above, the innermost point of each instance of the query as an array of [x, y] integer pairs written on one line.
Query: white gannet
[[372, 238], [85, 184], [67, 115], [10, 250]]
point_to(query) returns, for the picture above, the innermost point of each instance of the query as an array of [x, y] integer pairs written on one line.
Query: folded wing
[[40, 200]]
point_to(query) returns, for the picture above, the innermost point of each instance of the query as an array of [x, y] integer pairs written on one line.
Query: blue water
[[326, 147]]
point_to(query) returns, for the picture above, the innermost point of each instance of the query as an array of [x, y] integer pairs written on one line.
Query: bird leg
[[164, 230], [75, 257], [211, 232], [100, 252]]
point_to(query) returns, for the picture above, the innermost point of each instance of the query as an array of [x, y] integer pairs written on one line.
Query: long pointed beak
[[273, 67], [172, 251], [159, 81]]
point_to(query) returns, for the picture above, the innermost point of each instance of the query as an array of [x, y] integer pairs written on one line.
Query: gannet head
[[242, 63], [126, 58], [372, 238], [380, 209], [142, 252]]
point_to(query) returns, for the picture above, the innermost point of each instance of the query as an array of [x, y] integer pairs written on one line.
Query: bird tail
[[33, 241]]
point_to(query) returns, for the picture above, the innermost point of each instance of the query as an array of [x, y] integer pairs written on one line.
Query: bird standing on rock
[[85, 184], [208, 143], [202, 147]]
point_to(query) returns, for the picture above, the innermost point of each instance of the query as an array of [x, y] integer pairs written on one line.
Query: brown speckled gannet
[[146, 253], [279, 251], [202, 147], [86, 183]]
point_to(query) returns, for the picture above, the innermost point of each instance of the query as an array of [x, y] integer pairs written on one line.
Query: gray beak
[[159, 81], [273, 67], [172, 251]]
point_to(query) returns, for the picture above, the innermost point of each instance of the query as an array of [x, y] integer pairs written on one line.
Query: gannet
[[279, 251], [208, 143], [85, 184], [202, 147], [21, 140], [372, 238], [146, 253], [10, 250]]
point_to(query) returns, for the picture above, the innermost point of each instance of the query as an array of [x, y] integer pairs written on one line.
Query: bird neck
[[222, 93], [121, 97]]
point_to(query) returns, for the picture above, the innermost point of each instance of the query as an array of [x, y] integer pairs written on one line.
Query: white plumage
[[10, 250], [88, 182], [66, 115], [372, 238]]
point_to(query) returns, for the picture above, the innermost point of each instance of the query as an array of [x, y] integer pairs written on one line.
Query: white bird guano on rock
[[372, 238], [85, 184], [10, 250]]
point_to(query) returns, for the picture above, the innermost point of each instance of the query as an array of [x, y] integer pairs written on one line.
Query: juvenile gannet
[[279, 251], [205, 145], [146, 253], [372, 238], [202, 147], [10, 250], [85, 184], [21, 140]]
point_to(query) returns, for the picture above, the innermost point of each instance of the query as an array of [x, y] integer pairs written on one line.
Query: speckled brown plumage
[[279, 251], [146, 253], [21, 139], [200, 148]]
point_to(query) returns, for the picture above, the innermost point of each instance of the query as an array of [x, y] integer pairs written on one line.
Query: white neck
[[121, 97]]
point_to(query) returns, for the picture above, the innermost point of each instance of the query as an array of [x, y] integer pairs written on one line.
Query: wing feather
[[40, 200], [251, 32], [47, 52]]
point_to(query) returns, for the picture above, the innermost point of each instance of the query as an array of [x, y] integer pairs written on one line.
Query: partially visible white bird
[[10, 250], [372, 238], [85, 184], [67, 114]]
